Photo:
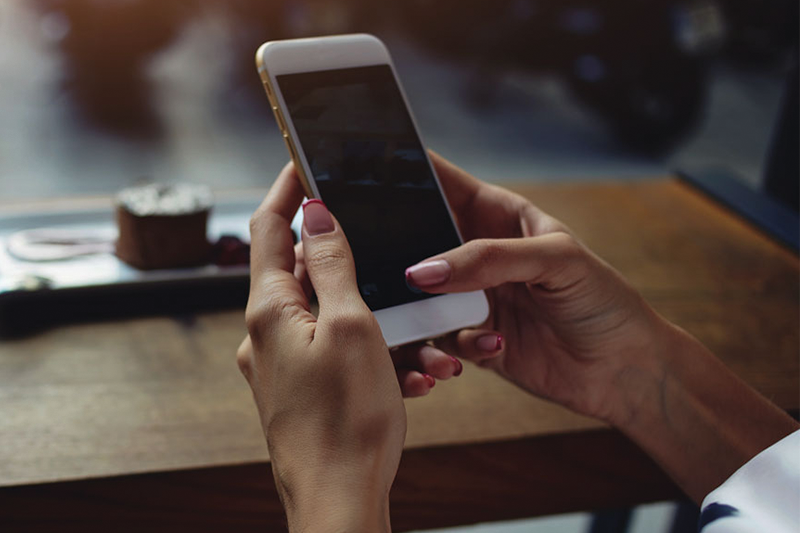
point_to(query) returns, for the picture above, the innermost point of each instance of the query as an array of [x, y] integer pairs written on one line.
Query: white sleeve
[[762, 496]]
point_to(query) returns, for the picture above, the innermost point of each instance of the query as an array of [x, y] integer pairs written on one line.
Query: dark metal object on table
[[782, 176], [775, 208]]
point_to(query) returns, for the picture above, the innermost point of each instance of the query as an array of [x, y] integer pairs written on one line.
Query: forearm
[[697, 419]]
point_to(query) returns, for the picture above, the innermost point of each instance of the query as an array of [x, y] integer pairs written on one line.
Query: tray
[[37, 294]]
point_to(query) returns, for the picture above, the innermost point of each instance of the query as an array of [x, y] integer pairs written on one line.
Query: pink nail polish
[[316, 217], [490, 343], [429, 379], [428, 273], [459, 367]]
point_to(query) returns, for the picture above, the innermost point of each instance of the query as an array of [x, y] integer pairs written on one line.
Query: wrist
[[641, 380], [339, 513], [694, 416], [337, 503]]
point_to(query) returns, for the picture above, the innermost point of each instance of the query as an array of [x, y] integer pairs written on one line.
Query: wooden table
[[146, 424]]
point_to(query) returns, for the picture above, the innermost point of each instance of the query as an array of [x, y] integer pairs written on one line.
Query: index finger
[[459, 186], [274, 291], [271, 241]]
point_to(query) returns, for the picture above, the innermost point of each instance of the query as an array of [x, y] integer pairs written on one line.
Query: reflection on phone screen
[[372, 173]]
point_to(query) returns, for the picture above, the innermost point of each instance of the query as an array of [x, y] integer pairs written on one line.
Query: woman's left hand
[[419, 365], [326, 388]]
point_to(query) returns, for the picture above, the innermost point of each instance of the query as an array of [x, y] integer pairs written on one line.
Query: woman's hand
[[564, 325], [325, 387], [418, 365]]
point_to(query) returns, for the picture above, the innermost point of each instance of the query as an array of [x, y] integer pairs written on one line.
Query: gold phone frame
[[266, 81]]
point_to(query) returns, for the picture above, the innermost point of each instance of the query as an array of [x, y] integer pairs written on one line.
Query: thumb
[[328, 260], [554, 260]]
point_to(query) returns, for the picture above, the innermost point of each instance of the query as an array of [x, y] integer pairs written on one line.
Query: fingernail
[[428, 273], [316, 217], [489, 343], [429, 379], [459, 366]]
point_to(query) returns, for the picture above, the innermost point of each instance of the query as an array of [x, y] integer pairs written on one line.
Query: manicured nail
[[459, 366], [428, 273], [489, 343], [316, 217], [429, 379]]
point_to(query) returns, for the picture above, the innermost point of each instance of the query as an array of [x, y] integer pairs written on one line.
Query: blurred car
[[641, 65]]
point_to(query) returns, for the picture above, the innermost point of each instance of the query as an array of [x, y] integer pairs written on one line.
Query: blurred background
[[99, 94]]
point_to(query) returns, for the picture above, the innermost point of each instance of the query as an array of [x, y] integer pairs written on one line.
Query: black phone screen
[[372, 173]]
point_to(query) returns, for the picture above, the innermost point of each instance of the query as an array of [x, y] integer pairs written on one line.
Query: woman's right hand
[[564, 325], [575, 332]]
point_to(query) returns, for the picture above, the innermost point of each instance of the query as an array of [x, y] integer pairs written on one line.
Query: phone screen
[[372, 173]]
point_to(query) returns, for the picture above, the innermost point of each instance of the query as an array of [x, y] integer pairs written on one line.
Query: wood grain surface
[[162, 395]]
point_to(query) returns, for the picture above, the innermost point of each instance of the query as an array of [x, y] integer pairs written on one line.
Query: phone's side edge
[[481, 295], [266, 81]]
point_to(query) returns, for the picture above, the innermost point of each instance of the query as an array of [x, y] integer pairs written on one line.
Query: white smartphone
[[354, 142]]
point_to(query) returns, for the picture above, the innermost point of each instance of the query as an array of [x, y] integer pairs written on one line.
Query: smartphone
[[354, 142]]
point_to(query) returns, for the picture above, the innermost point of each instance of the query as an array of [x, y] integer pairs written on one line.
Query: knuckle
[[569, 260], [352, 324], [488, 251], [567, 245], [262, 222], [263, 315], [522, 204], [551, 224], [485, 253], [327, 257], [255, 315], [244, 361], [255, 221]]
